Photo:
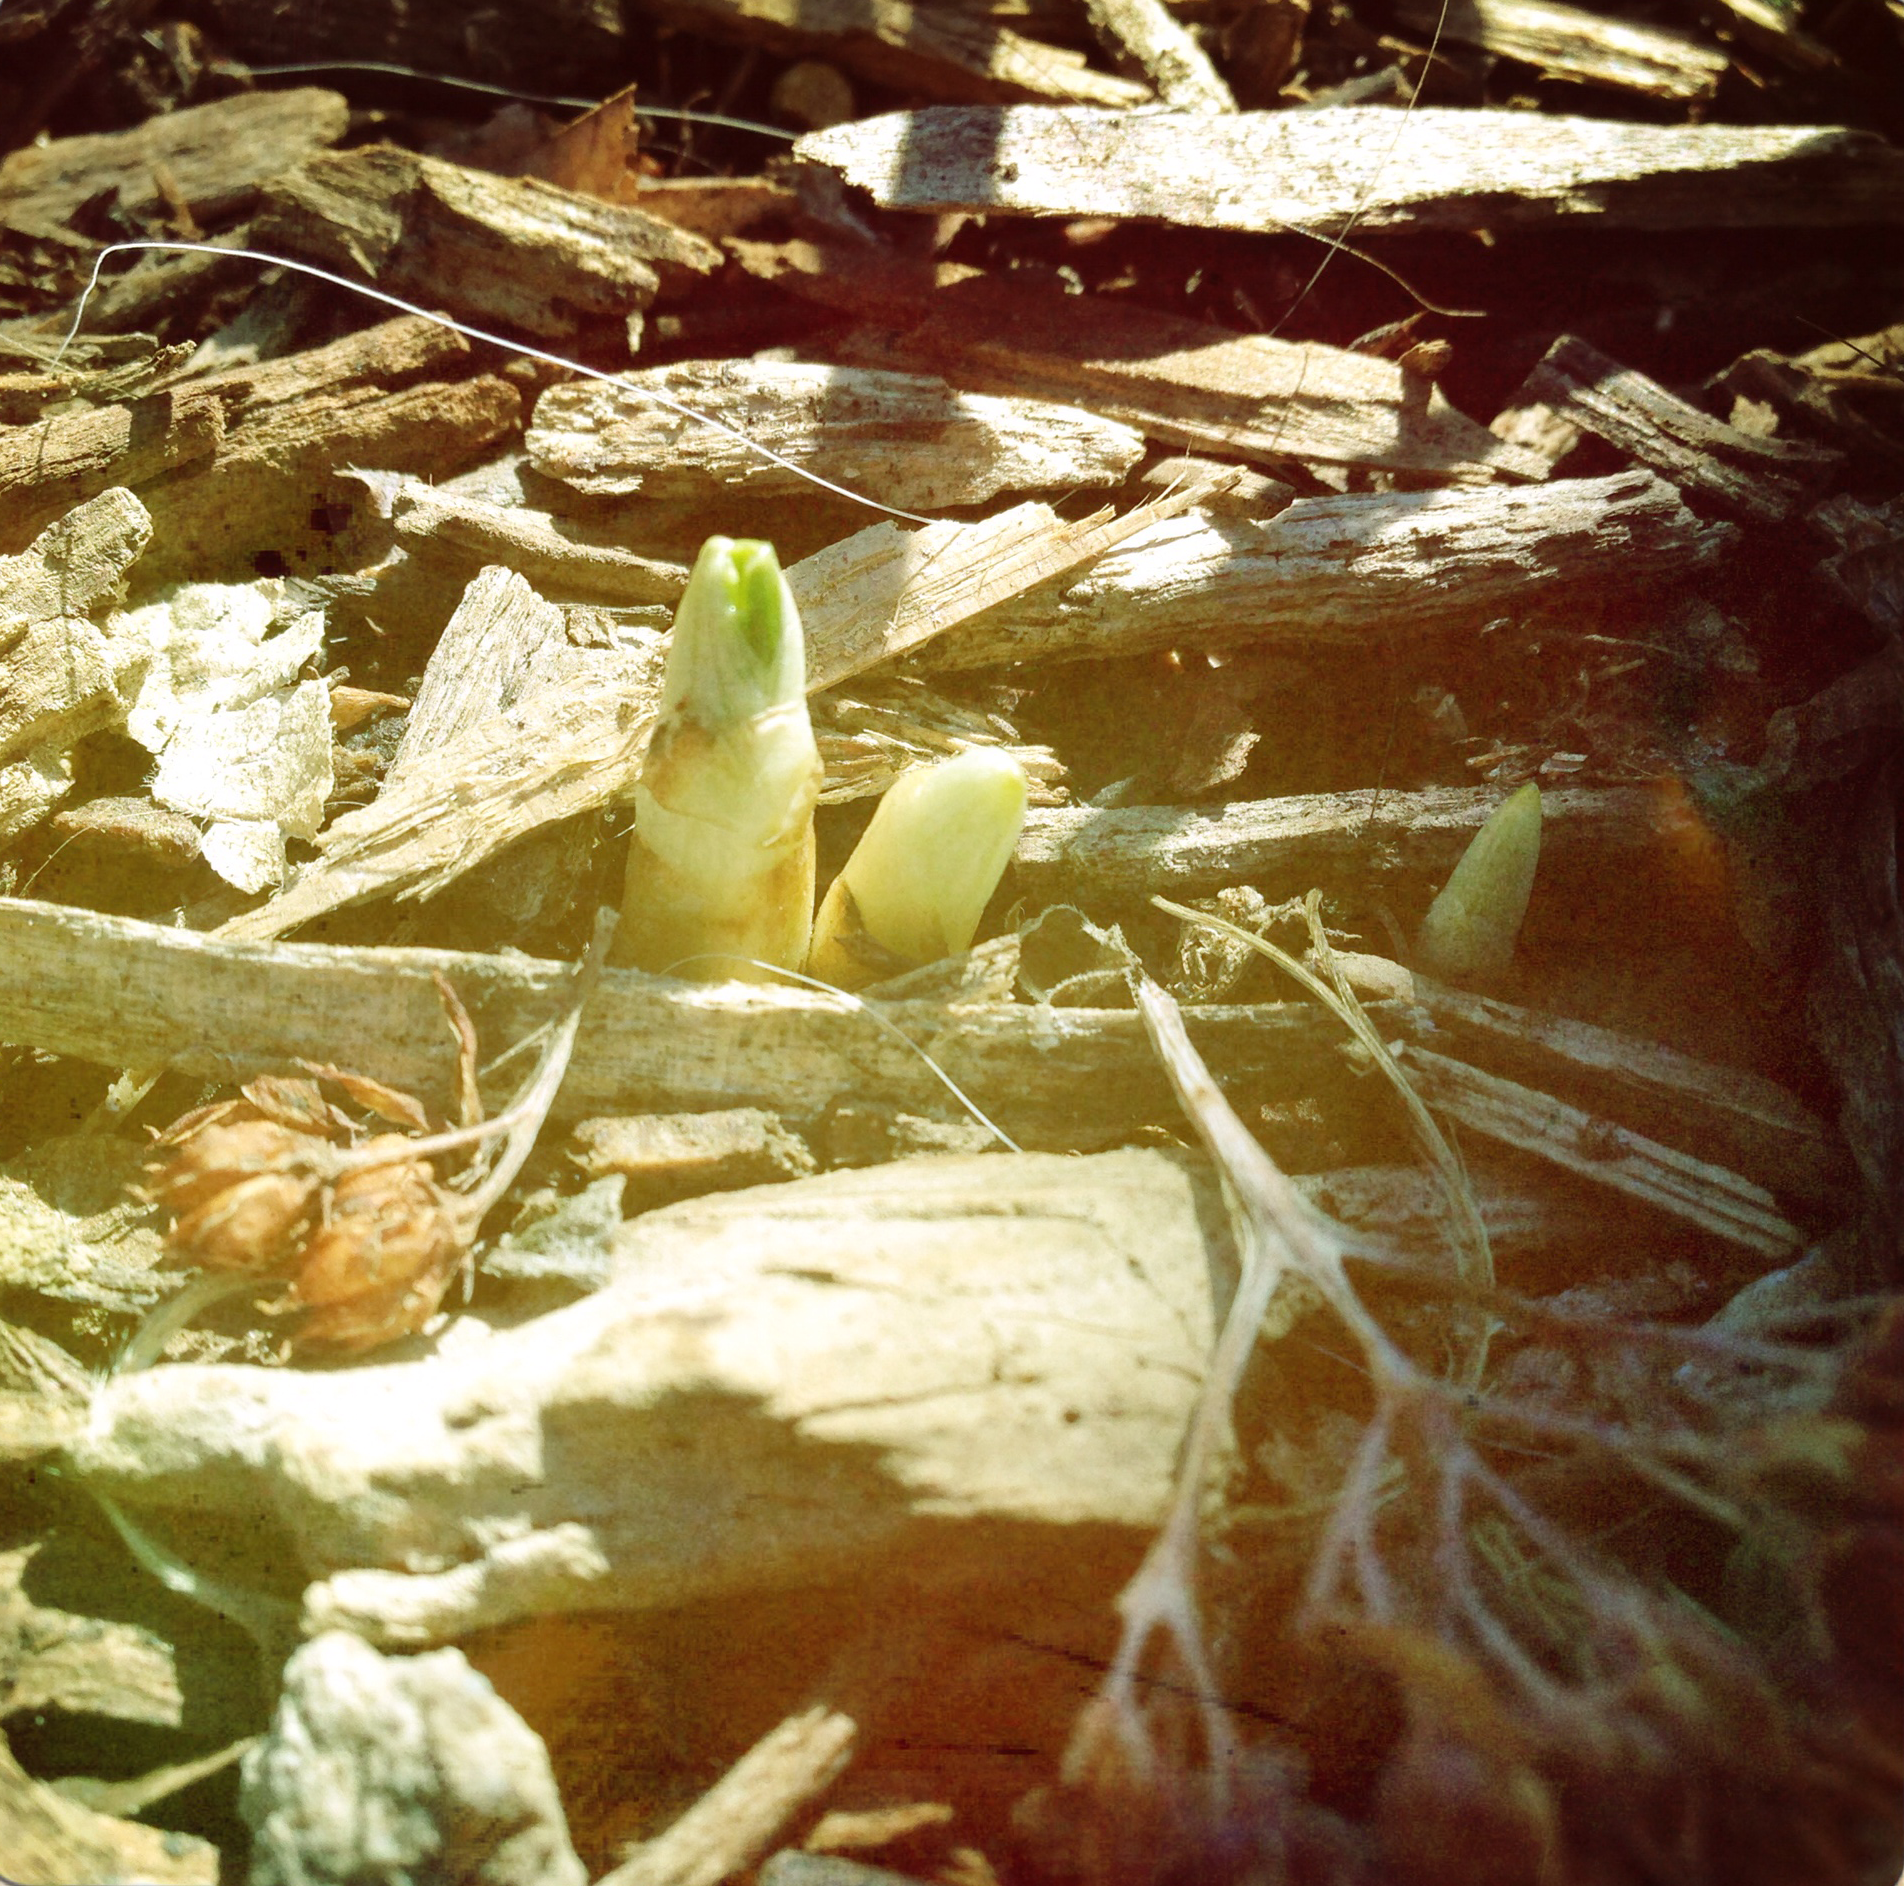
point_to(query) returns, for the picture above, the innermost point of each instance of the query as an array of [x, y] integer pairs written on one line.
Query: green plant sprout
[[920, 877], [721, 863], [1471, 928]]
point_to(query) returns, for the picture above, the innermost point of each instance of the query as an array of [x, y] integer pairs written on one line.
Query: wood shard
[[1764, 479], [887, 591], [555, 554], [47, 468], [1572, 43], [1183, 382], [1724, 1114], [915, 441], [1717, 1201], [214, 158], [1289, 844], [509, 251], [734, 1823], [940, 52], [1337, 570], [1322, 171], [1147, 35]]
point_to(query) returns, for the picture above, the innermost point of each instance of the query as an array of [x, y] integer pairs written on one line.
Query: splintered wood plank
[[912, 439], [210, 159], [1340, 570], [1436, 168], [1571, 43], [509, 250], [1727, 1115], [939, 51], [1332, 838], [1766, 479], [1717, 1201], [1186, 383]]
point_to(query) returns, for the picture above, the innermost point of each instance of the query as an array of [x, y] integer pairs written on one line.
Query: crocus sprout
[[721, 862], [1470, 929], [919, 879]]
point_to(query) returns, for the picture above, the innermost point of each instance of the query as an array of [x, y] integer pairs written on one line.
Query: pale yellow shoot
[[721, 862], [1471, 928], [919, 880]]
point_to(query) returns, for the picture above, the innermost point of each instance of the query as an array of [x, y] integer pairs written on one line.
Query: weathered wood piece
[[734, 1823], [940, 52], [1764, 479], [1321, 171], [716, 207], [293, 425], [887, 591], [1147, 35], [51, 1838], [1328, 571], [513, 251], [914, 440], [1717, 1201], [213, 1006], [933, 1363], [556, 554], [1726, 1115], [1572, 43], [1286, 845], [47, 468], [1183, 382], [213, 159], [666, 1156]]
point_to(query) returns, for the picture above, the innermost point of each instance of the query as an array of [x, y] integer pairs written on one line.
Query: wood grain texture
[[937, 51], [513, 251], [1572, 43], [914, 440], [1438, 168], [1764, 479], [214, 158], [1282, 846], [1340, 570], [1182, 382]]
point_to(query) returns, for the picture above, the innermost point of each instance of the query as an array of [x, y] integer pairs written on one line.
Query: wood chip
[[914, 440], [46, 469], [557, 555], [494, 250], [1340, 570], [1572, 43], [940, 52], [1764, 479], [214, 158], [50, 1838], [1146, 35], [1723, 1114], [1283, 846], [1323, 170], [1705, 1195], [1182, 382], [734, 1823]]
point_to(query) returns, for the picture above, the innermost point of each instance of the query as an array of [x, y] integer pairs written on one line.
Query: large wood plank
[[1436, 168]]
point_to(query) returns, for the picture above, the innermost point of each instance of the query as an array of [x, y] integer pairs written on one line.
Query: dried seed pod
[[292, 1102], [221, 1153], [378, 1317], [255, 1224], [388, 1226]]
